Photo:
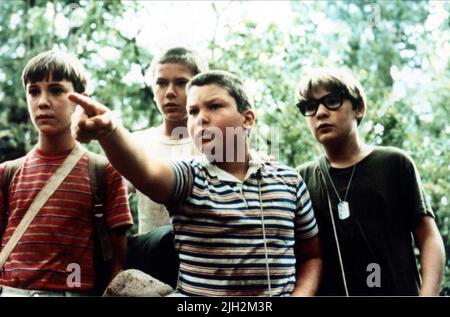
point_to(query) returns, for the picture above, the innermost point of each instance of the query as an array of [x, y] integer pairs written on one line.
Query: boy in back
[[152, 251], [59, 240], [170, 72]]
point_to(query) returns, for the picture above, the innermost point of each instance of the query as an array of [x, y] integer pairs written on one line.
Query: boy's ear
[[249, 119], [85, 94], [360, 110]]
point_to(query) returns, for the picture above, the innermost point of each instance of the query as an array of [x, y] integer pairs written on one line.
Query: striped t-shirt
[[218, 228], [62, 232]]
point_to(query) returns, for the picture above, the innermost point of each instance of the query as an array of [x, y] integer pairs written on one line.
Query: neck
[[56, 143], [346, 153], [175, 129], [236, 168]]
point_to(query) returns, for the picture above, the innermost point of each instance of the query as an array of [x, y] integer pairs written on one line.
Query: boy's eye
[[181, 82], [33, 92], [161, 83], [214, 106], [56, 90], [193, 111]]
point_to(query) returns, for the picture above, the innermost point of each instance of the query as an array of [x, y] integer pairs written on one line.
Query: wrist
[[115, 125]]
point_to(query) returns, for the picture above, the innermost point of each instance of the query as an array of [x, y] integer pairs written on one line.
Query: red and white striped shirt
[[62, 232]]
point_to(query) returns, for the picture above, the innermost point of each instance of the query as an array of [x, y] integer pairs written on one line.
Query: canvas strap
[[41, 198]]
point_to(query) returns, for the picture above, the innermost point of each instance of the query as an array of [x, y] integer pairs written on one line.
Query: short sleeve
[[117, 209], [183, 172], [414, 193], [305, 221]]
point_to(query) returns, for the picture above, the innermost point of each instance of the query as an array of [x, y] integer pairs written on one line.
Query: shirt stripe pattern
[[62, 232], [218, 229]]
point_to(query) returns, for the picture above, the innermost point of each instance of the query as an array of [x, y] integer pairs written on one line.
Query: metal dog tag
[[343, 210]]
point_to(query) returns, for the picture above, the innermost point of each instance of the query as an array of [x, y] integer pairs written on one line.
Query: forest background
[[399, 50]]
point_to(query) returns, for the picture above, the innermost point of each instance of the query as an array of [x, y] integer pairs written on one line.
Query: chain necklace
[[343, 207]]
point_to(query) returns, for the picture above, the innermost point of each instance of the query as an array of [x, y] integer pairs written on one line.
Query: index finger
[[90, 106]]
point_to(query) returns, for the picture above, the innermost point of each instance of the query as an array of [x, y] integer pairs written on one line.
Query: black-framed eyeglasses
[[331, 101]]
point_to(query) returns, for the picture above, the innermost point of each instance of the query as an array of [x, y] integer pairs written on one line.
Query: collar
[[255, 163]]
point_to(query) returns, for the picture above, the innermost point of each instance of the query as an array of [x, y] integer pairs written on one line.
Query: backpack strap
[[40, 200], [10, 169], [96, 166]]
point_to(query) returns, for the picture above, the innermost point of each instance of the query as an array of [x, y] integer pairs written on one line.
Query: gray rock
[[134, 283]]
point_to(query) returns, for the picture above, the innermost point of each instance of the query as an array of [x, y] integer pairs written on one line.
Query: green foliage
[[375, 47], [41, 25], [394, 47]]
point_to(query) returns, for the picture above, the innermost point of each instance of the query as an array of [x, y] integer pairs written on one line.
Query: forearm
[[124, 153], [92, 120], [308, 276], [432, 261], [135, 164], [432, 255], [119, 247]]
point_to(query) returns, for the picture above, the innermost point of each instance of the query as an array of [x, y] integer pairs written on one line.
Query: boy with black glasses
[[369, 201]]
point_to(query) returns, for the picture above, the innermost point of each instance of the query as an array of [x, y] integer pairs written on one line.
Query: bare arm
[[432, 256], [151, 176], [119, 246], [309, 267]]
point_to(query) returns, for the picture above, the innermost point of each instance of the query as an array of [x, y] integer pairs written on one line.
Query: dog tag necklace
[[343, 207]]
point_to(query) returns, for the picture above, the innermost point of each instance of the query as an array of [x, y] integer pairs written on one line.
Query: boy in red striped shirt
[[59, 241]]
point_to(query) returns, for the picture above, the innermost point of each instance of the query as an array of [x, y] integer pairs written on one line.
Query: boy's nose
[[322, 111], [170, 92], [43, 101], [202, 118]]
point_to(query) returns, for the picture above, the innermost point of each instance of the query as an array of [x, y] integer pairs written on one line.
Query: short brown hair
[[57, 65], [333, 80], [228, 81], [182, 56]]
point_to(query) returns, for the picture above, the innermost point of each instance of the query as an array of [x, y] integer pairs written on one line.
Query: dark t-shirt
[[386, 200]]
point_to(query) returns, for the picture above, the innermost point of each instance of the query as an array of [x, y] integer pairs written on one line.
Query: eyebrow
[[210, 101], [52, 84], [57, 84], [176, 78]]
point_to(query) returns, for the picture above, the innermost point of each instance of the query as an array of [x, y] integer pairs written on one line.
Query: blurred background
[[399, 50]]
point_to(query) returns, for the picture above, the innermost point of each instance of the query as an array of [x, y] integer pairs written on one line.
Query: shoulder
[[99, 167], [145, 135], [279, 171], [144, 132], [279, 168], [11, 165], [307, 169], [97, 160], [391, 154]]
